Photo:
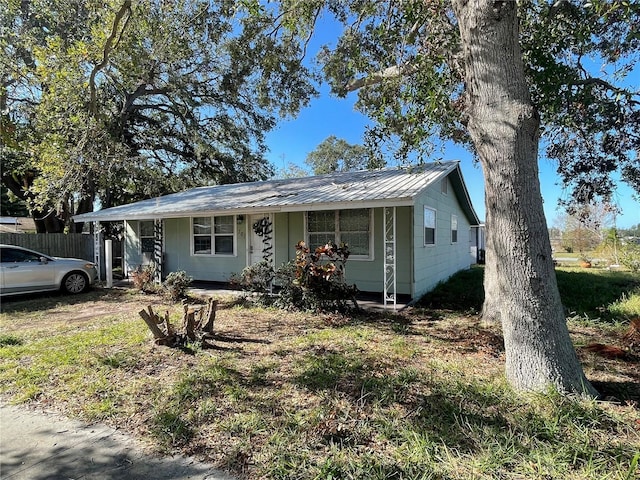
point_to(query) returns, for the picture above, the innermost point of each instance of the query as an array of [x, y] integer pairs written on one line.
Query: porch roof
[[368, 188]]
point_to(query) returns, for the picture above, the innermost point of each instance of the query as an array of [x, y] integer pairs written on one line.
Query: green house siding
[[132, 254], [177, 252], [288, 229], [366, 274], [419, 267], [295, 233], [281, 229], [177, 246], [435, 263]]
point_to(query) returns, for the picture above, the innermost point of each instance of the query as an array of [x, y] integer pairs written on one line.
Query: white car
[[26, 271]]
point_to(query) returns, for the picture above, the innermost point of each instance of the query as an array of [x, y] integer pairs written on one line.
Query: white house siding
[[435, 263]]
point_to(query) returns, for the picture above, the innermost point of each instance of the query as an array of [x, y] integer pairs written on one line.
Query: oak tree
[[120, 100]]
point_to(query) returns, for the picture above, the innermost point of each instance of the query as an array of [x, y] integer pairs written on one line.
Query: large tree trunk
[[45, 222], [520, 283]]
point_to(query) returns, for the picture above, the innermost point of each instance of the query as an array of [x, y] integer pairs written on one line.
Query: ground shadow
[[236, 339], [107, 460], [621, 392], [587, 293]]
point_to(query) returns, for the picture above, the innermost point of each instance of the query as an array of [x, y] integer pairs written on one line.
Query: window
[[429, 226], [322, 228], [223, 230], [352, 227], [354, 230], [11, 255], [454, 229], [146, 236], [214, 235]]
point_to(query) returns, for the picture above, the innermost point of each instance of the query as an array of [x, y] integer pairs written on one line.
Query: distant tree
[[291, 170], [578, 238], [609, 247], [337, 155], [632, 231], [585, 229]]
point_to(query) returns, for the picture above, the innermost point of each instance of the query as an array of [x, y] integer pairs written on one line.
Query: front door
[[260, 238]]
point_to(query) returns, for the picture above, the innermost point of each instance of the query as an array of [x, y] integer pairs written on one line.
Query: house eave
[[248, 210]]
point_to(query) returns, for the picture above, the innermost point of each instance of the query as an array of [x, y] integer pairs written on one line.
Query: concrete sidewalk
[[39, 446]]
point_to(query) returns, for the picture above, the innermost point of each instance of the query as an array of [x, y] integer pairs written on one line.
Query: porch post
[[108, 262], [97, 248], [157, 250], [390, 257]]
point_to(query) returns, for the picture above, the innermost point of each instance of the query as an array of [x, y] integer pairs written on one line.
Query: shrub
[[317, 279], [313, 281], [629, 256], [176, 284], [142, 277], [255, 278], [290, 294]]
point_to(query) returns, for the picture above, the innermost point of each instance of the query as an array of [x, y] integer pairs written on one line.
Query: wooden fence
[[74, 245]]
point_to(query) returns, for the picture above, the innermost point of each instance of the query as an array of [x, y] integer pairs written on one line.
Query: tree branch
[[140, 91], [603, 83], [406, 69], [108, 47]]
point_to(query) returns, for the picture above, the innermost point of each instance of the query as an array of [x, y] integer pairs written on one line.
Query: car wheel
[[75, 282]]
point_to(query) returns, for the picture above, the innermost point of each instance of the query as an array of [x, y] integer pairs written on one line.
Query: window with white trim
[[214, 235], [429, 226], [454, 229], [444, 186], [147, 237], [352, 227]]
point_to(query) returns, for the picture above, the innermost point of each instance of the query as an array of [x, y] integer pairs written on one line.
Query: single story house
[[407, 228]]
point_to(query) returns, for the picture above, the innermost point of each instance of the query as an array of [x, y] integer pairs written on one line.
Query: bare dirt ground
[[55, 309]]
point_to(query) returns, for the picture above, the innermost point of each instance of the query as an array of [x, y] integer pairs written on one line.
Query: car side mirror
[[44, 260]]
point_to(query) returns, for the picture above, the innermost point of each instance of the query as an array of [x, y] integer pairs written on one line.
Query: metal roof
[[368, 188]]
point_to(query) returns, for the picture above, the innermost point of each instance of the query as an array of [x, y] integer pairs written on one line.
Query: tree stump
[[197, 324]]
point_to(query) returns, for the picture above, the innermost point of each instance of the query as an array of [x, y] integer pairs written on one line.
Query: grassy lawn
[[417, 395]]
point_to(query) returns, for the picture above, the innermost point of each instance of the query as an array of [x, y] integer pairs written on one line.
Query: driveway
[[46, 446]]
